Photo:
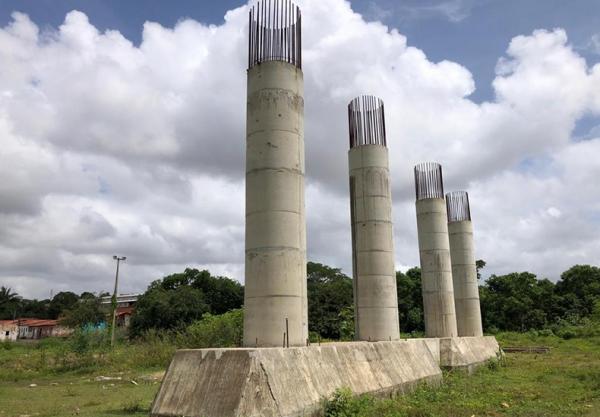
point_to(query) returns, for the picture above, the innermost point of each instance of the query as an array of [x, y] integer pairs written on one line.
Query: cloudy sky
[[122, 131]]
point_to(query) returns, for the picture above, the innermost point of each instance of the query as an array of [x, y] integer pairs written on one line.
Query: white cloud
[[113, 148], [454, 11], [593, 44]]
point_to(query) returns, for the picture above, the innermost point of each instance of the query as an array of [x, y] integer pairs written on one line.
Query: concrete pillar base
[[279, 382]]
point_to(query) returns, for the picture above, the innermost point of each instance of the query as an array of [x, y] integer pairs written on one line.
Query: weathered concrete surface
[[375, 295], [275, 219], [467, 352], [278, 382], [436, 268], [464, 277]]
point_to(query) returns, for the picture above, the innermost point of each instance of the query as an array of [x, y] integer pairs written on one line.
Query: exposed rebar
[[275, 33], [457, 206], [366, 121], [428, 180]]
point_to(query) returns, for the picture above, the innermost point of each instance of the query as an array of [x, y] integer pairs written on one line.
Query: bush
[[154, 348], [224, 330], [314, 337], [344, 404], [84, 341], [133, 407], [6, 345]]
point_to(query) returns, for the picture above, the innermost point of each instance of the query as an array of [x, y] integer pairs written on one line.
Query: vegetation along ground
[[53, 380]]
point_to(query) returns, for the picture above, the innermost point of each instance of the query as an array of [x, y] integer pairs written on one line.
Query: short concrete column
[[375, 296], [434, 251], [275, 301], [464, 270]]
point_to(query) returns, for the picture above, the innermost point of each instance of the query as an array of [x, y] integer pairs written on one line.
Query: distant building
[[125, 307], [124, 316], [9, 330], [32, 328]]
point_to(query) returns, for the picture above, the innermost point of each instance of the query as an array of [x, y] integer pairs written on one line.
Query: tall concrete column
[[464, 271], [375, 296], [434, 251], [275, 301]]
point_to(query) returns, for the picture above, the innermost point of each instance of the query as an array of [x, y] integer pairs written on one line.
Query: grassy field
[[564, 382]]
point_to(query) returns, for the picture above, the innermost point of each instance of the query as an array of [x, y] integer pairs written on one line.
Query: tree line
[[517, 301]]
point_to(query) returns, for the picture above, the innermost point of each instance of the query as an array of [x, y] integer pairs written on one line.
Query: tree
[[34, 308], [580, 288], [221, 293], [9, 302], [479, 265], [87, 311], [159, 308], [86, 295], [410, 300], [224, 330], [347, 328], [329, 293], [7, 295], [62, 301], [516, 301]]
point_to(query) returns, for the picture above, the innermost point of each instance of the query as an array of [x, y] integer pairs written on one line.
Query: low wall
[[467, 352], [278, 382]]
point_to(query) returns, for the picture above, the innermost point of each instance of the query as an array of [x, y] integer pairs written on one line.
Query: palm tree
[[7, 296]]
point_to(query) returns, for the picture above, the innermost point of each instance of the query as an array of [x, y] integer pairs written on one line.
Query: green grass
[[564, 382], [66, 381], [71, 395]]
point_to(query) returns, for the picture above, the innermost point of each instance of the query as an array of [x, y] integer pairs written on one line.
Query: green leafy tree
[[410, 300], [596, 312], [87, 311], [516, 301], [9, 303], [329, 293], [224, 330], [61, 302], [87, 296], [34, 308], [479, 265], [159, 308], [221, 293], [347, 327], [580, 288]]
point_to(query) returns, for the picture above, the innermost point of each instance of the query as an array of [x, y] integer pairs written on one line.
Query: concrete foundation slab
[[280, 382], [467, 352], [270, 382]]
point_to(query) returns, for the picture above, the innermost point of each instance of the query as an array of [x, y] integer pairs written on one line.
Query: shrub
[[84, 341], [344, 404], [224, 330], [6, 345], [154, 349], [133, 407]]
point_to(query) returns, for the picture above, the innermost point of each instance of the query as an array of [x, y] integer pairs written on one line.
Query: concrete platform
[[463, 352], [279, 382]]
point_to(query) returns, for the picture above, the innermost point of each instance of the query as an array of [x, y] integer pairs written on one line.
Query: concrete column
[[275, 301], [464, 271], [375, 296], [434, 251]]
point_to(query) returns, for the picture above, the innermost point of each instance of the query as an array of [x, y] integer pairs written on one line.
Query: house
[[124, 316], [9, 330], [125, 307], [32, 328]]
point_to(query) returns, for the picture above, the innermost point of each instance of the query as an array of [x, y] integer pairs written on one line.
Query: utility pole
[[114, 300]]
